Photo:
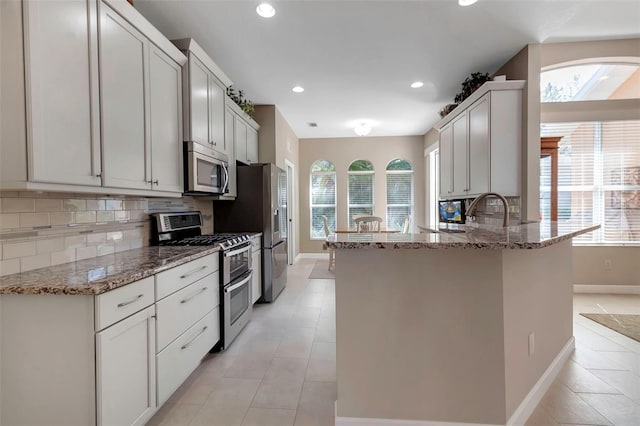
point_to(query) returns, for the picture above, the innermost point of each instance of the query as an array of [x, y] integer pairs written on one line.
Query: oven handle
[[238, 251], [238, 285]]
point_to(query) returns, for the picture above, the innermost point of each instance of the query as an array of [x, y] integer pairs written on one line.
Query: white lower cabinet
[[125, 371], [256, 267], [181, 357]]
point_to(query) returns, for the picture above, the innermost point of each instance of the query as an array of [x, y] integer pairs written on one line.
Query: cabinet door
[[165, 97], [229, 124], [446, 162], [126, 371], [252, 145], [256, 266], [61, 58], [479, 149], [124, 112], [199, 101], [241, 140], [216, 120], [460, 165]]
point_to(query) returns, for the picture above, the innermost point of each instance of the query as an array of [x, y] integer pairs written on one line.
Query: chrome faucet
[[474, 204]]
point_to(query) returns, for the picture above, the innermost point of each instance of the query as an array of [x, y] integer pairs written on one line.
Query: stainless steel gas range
[[185, 229]]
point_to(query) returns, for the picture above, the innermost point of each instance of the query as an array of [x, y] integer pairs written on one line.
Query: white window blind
[[322, 197], [598, 179], [399, 193], [361, 181]]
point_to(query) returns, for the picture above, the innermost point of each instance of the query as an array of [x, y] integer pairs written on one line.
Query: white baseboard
[[531, 401], [519, 417], [312, 256], [606, 289]]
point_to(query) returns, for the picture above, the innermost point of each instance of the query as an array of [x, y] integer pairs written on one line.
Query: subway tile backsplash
[[43, 229]]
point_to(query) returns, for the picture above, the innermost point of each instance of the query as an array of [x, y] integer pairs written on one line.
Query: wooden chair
[[405, 225], [368, 224], [332, 251]]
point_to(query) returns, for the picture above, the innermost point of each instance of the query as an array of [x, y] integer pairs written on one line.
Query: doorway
[[291, 201]]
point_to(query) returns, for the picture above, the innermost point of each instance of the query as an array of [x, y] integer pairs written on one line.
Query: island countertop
[[101, 274], [526, 236]]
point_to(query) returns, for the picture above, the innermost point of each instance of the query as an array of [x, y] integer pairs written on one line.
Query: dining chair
[[405, 225], [332, 251], [368, 223]]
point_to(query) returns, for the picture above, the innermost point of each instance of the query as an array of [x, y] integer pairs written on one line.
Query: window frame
[[350, 205]]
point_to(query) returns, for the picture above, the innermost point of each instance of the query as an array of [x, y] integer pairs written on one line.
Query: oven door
[[237, 307], [206, 174], [236, 263]]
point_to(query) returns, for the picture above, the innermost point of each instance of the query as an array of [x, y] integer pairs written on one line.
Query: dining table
[[355, 231]]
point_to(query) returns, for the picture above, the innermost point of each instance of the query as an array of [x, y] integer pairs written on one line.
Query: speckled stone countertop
[[526, 236], [101, 274]]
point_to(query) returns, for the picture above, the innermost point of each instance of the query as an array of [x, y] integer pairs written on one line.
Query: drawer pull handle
[[123, 304], [186, 345], [193, 272], [202, 290]]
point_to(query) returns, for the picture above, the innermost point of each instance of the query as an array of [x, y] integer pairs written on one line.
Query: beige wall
[[278, 144], [341, 152], [589, 265], [431, 140], [559, 53]]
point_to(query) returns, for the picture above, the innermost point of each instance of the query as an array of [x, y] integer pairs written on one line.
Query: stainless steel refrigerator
[[260, 206]]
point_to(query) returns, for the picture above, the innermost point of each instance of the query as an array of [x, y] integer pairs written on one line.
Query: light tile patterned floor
[[281, 370]]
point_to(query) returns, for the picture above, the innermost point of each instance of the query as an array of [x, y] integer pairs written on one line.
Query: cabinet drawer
[[181, 357], [117, 304], [174, 279], [183, 308]]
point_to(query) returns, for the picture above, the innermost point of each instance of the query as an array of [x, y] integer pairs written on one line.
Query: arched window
[[590, 82], [597, 159], [361, 181], [322, 197], [399, 192]]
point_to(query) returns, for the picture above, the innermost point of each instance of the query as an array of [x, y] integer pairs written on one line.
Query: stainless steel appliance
[[185, 229], [205, 171], [260, 206]]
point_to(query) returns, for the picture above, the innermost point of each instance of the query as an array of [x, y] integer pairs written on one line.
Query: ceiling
[[356, 59]]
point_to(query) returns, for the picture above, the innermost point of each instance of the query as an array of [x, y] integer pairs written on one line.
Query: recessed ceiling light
[[298, 89], [362, 129], [604, 77], [466, 2], [265, 10], [417, 84]]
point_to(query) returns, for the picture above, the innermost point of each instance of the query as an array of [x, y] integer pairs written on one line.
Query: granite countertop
[[101, 274], [479, 237]]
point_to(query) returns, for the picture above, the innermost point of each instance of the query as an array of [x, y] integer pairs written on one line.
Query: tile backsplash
[[490, 211], [43, 229]]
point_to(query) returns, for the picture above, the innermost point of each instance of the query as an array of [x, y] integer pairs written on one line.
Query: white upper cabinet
[[252, 145], [97, 96], [245, 134], [125, 149], [62, 100], [241, 140], [165, 98], [204, 89], [480, 143]]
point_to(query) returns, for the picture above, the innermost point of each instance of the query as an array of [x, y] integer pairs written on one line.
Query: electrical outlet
[[531, 343], [608, 265]]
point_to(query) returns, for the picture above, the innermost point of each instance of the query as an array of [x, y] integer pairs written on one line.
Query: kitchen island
[[468, 327]]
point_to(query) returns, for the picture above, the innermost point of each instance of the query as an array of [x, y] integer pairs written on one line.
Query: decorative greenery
[[238, 97], [470, 84]]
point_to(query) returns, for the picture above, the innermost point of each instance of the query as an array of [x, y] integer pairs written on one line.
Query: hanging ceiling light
[[362, 129], [265, 10]]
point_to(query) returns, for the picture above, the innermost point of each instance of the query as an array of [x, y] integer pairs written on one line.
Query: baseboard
[[311, 256], [606, 289], [519, 417], [533, 398]]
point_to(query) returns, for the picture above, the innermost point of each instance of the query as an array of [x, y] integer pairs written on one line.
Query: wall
[[589, 265], [341, 152], [43, 229], [277, 143], [431, 140]]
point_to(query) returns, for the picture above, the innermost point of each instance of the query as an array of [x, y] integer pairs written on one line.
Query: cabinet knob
[[155, 182], [99, 175], [213, 143]]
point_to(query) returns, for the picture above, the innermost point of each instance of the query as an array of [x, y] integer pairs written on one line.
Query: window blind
[[360, 195], [598, 179], [399, 197], [322, 202]]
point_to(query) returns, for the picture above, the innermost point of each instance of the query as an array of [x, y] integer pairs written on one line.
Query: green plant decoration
[[470, 85], [238, 97]]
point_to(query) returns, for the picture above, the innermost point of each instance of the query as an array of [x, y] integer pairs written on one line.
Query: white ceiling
[[356, 59]]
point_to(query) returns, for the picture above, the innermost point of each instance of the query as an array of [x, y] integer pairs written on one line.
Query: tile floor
[[281, 371]]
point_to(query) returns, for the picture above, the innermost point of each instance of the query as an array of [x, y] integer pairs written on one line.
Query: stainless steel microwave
[[206, 171]]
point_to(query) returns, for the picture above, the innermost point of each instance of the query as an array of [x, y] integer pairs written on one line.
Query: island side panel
[[47, 342], [420, 335], [538, 298]]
